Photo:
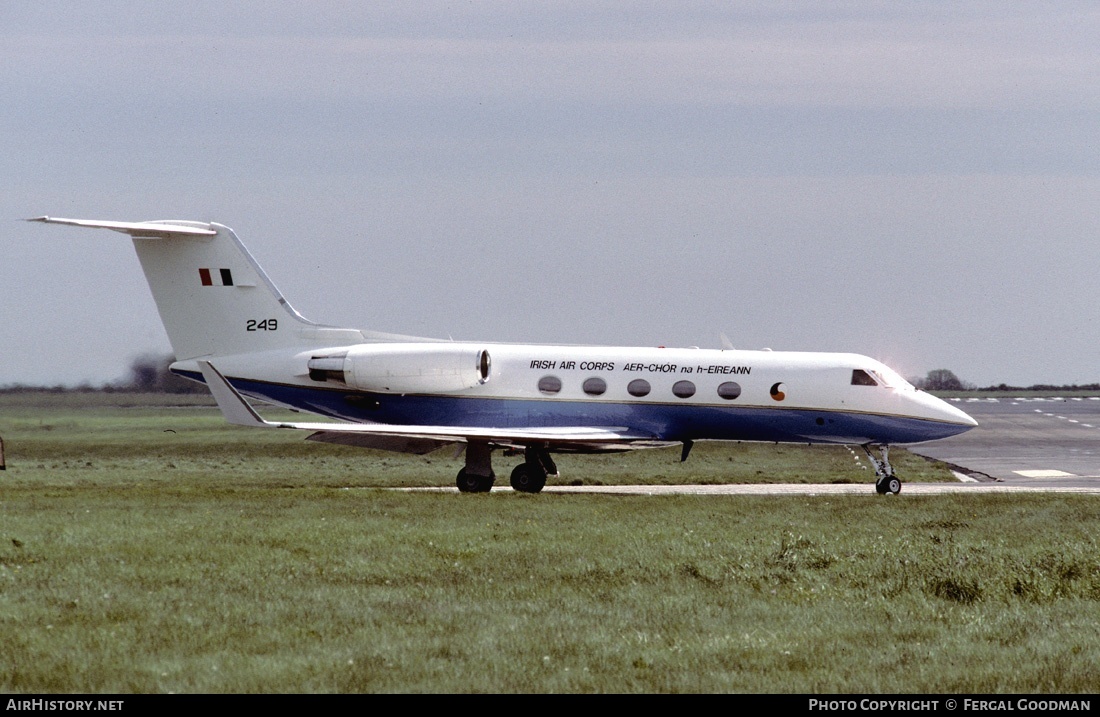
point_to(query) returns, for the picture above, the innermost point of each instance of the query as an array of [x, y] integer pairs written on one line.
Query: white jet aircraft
[[231, 328]]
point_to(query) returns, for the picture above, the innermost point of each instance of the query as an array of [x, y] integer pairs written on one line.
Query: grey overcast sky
[[918, 181]]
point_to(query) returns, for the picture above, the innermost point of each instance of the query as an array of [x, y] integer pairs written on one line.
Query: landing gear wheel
[[470, 483], [528, 478], [888, 485]]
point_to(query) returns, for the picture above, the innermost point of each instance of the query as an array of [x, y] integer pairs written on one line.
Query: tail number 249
[[262, 325]]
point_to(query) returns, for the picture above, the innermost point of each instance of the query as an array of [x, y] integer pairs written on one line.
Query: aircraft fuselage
[[672, 394]]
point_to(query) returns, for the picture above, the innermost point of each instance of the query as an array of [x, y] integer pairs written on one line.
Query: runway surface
[[1026, 442], [867, 489]]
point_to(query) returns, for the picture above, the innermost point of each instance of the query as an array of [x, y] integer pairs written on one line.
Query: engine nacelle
[[405, 368]]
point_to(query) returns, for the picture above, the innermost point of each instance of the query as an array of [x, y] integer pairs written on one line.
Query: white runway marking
[[1045, 474]]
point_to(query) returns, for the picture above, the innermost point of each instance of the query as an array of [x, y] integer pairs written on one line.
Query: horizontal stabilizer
[[135, 229]]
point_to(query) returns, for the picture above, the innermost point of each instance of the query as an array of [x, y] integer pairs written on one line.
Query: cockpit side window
[[862, 378]]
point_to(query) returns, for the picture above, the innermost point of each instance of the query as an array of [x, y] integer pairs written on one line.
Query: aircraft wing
[[423, 439]]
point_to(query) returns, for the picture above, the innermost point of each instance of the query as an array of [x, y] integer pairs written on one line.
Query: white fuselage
[[671, 394]]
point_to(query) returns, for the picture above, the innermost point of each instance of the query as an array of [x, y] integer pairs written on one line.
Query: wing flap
[[397, 444]]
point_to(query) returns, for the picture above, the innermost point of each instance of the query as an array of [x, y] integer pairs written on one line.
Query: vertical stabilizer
[[213, 298]]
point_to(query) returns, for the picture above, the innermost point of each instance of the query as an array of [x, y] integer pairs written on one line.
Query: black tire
[[888, 485], [470, 483], [528, 478]]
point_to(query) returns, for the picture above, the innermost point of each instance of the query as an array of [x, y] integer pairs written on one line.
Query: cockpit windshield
[[881, 376], [891, 378]]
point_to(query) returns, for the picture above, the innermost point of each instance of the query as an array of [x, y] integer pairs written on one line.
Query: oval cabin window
[[594, 386], [683, 389], [729, 390], [638, 387], [549, 384]]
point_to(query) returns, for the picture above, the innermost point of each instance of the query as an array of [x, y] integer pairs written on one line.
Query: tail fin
[[213, 298]]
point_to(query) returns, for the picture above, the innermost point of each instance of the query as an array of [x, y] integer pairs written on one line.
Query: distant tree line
[[1044, 387], [148, 374], [942, 379]]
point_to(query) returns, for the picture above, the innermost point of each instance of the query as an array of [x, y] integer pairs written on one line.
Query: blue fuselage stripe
[[666, 422]]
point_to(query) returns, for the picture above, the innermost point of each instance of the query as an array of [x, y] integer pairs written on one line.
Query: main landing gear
[[530, 476], [886, 483], [472, 483], [527, 477], [477, 476]]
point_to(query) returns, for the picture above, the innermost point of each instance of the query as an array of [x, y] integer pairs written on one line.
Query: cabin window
[[683, 389], [594, 386], [638, 387], [549, 384], [862, 378], [729, 390]]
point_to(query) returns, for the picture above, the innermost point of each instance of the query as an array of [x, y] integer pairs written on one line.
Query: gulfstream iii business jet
[[232, 329]]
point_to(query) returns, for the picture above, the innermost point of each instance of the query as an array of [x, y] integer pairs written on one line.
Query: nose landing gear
[[886, 483]]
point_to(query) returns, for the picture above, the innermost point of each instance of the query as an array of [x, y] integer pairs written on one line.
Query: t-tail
[[213, 298]]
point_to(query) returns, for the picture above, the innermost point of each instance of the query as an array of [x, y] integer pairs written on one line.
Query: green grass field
[[130, 437], [149, 549]]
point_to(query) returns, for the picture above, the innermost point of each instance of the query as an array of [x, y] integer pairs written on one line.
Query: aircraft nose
[[944, 411], [962, 417]]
